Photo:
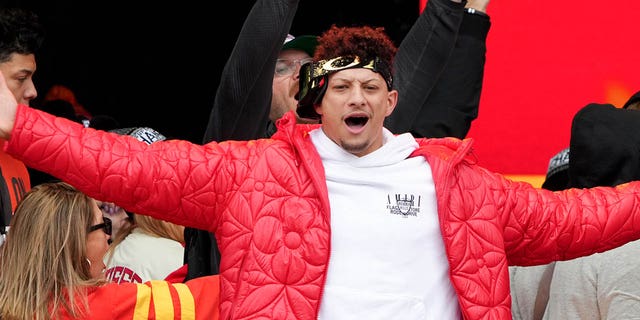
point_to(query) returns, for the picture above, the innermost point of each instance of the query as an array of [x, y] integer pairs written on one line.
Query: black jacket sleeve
[[438, 71], [241, 105], [242, 102]]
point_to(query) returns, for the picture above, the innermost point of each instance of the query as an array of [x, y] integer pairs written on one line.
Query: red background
[[545, 60]]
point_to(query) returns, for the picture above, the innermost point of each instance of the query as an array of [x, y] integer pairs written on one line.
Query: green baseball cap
[[306, 43]]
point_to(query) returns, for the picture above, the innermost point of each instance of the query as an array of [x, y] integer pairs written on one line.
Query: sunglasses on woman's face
[[105, 226]]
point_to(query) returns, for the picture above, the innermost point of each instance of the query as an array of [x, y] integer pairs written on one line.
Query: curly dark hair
[[371, 45], [20, 31], [363, 41]]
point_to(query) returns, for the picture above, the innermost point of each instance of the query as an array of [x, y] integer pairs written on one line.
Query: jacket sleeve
[[438, 71], [156, 299], [242, 102], [169, 180], [532, 226], [541, 226]]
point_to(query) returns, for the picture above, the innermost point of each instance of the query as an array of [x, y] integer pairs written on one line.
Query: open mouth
[[356, 122]]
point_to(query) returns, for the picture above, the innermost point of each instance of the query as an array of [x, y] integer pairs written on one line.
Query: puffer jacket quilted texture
[[266, 201]]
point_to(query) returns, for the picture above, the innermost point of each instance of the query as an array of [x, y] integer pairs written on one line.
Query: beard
[[355, 148]]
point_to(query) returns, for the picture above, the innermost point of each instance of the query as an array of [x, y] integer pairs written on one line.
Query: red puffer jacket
[[266, 201]]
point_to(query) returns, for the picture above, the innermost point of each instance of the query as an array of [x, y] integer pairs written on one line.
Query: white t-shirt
[[141, 257]]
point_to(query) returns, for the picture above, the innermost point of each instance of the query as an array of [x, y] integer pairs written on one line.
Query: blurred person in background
[[21, 37]]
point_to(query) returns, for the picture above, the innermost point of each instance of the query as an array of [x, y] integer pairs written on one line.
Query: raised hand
[[8, 108], [479, 5]]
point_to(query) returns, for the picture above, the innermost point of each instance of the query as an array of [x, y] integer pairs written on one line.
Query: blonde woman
[[51, 267]]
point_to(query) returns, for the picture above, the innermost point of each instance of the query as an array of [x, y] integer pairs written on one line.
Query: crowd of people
[[329, 163]]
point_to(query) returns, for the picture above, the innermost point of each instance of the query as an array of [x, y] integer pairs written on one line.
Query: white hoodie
[[387, 255]]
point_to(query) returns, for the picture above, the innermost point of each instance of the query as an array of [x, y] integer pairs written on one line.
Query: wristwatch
[[476, 12]]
